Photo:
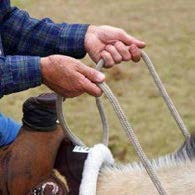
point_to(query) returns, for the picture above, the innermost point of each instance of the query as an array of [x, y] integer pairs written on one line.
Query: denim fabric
[[8, 130]]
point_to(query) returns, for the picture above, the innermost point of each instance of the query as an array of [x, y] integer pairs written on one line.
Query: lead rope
[[128, 129], [124, 122], [105, 135], [164, 94], [130, 134], [63, 123], [76, 140]]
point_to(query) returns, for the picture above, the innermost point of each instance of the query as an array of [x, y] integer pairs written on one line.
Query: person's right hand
[[69, 77], [112, 44]]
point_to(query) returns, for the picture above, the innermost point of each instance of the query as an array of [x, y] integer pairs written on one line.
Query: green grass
[[168, 28]]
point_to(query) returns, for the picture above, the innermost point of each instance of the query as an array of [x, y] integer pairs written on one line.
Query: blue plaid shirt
[[23, 40]]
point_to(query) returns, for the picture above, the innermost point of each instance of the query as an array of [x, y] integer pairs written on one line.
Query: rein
[[124, 121]]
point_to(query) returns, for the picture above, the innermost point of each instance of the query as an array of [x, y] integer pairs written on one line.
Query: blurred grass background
[[168, 28]]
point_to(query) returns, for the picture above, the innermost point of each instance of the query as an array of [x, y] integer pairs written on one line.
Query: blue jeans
[[8, 130]]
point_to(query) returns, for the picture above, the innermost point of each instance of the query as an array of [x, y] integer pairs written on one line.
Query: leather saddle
[[27, 165]]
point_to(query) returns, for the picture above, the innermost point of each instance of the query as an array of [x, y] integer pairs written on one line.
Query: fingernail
[[100, 77]]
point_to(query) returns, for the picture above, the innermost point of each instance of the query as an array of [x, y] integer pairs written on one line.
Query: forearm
[[23, 35], [18, 73]]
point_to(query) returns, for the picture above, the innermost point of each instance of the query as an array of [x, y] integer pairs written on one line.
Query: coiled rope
[[124, 121]]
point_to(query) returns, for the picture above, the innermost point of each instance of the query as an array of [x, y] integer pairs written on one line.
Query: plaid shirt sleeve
[[23, 35], [28, 37], [18, 73]]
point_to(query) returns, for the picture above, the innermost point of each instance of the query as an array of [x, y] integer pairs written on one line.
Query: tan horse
[[176, 171]]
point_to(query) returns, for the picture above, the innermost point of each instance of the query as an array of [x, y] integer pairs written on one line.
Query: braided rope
[[130, 133], [63, 123], [105, 136], [76, 140], [124, 121], [165, 95]]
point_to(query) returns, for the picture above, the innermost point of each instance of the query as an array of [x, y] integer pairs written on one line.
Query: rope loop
[[124, 121]]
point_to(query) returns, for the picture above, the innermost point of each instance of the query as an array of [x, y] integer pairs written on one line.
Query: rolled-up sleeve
[[18, 73], [23, 35]]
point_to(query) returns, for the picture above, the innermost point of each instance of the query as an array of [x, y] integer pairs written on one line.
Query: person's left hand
[[112, 44]]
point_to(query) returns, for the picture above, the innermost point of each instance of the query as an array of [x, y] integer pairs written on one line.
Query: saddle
[[28, 165]]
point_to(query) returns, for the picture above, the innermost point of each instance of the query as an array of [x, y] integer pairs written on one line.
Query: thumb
[[92, 74], [129, 40]]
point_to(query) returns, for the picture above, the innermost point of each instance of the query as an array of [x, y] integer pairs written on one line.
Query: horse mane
[[186, 153], [187, 150]]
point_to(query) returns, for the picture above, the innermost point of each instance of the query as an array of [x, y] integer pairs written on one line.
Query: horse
[[176, 171], [41, 161]]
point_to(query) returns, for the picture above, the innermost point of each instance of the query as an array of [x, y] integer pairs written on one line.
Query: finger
[[92, 74], [109, 62], [135, 53], [123, 50], [128, 39], [114, 53], [91, 88]]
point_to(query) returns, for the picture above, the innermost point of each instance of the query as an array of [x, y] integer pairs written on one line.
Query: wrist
[[91, 31], [44, 63]]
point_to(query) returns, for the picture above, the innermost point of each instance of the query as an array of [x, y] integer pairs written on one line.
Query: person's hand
[[112, 44], [69, 77]]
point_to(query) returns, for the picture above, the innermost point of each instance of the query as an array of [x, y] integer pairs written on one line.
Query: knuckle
[[109, 47], [93, 73], [80, 84], [118, 44], [125, 53], [127, 57], [109, 62], [134, 49], [133, 46], [118, 58], [103, 53], [135, 52], [105, 56], [122, 48]]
